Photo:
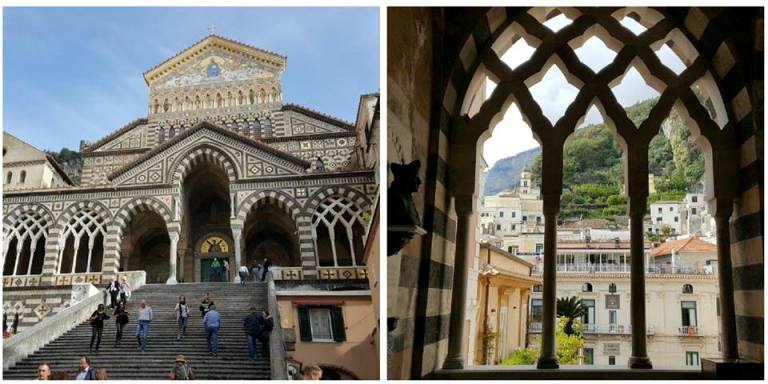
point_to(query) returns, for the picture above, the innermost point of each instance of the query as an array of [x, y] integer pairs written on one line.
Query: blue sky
[[76, 73]]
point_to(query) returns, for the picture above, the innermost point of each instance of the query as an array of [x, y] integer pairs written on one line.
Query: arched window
[[82, 243], [251, 97], [8, 177], [262, 96], [219, 100], [25, 247], [23, 177], [687, 288], [339, 231], [166, 106], [586, 287], [171, 133], [240, 98], [611, 288]]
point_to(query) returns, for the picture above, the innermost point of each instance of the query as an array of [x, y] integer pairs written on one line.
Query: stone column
[[728, 337], [465, 247], [174, 236], [548, 357], [236, 233], [639, 358]]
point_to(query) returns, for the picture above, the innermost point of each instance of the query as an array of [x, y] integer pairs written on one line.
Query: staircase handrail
[[277, 354], [37, 336]]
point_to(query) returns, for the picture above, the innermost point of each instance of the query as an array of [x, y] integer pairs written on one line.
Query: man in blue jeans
[[253, 325], [212, 323], [142, 329]]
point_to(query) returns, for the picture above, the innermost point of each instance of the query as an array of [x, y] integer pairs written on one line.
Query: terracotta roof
[[691, 244], [114, 134], [215, 128]]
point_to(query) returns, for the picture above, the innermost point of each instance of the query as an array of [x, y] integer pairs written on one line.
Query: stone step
[[127, 362]]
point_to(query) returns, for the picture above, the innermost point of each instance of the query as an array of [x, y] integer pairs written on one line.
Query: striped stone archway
[[202, 154], [290, 206], [112, 257], [27, 221]]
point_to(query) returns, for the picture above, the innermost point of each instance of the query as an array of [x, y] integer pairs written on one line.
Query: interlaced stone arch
[[83, 219], [26, 222], [714, 127], [280, 199], [310, 206], [339, 212], [478, 60], [202, 154]]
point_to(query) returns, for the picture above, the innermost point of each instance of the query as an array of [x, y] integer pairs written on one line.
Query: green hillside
[[593, 169]]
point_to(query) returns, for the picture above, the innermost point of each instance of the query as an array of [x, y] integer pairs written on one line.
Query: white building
[[27, 167], [672, 214], [682, 315], [513, 220]]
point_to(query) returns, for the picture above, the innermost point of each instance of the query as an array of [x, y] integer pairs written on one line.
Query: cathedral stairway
[[126, 362]]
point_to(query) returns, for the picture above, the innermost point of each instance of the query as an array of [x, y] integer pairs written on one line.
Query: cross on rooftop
[[211, 29]]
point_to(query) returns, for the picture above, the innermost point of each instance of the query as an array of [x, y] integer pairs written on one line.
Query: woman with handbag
[[97, 326], [121, 320]]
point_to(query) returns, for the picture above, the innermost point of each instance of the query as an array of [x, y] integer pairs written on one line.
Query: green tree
[[570, 309], [567, 347]]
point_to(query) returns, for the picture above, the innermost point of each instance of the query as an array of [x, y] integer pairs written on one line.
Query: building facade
[[514, 220], [683, 326], [504, 287], [220, 168]]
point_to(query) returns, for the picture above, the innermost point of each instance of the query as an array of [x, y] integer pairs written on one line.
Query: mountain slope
[[505, 173]]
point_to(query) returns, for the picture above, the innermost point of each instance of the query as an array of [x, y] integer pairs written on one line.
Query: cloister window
[[687, 288], [22, 177], [82, 243], [25, 246], [339, 230], [586, 287]]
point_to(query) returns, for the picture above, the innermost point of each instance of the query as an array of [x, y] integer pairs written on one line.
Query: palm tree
[[571, 308]]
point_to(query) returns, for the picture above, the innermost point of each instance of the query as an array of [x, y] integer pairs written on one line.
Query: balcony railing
[[600, 268], [688, 330], [611, 329]]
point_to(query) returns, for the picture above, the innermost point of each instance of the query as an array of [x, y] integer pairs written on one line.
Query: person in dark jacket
[[267, 323], [253, 323], [114, 290], [15, 324], [97, 325], [121, 320], [87, 372], [265, 268]]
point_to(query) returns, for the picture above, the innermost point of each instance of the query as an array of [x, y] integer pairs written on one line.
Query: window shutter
[[305, 328], [337, 322]]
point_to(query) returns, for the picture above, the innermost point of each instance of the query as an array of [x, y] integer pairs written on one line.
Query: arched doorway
[[146, 246], [270, 232], [205, 226]]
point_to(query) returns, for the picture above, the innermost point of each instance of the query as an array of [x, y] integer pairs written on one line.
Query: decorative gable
[[133, 139], [300, 121], [246, 158]]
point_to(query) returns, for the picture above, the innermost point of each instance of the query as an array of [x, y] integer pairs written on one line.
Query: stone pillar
[[548, 357], [465, 247], [639, 358], [174, 236], [236, 233], [728, 337]]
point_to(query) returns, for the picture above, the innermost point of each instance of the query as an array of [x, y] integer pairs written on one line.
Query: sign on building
[[612, 301], [611, 349]]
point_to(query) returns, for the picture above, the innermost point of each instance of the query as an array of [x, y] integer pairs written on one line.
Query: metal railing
[[611, 329], [652, 269], [688, 330]]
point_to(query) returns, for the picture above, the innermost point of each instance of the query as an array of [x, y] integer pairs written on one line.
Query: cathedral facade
[[220, 169]]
